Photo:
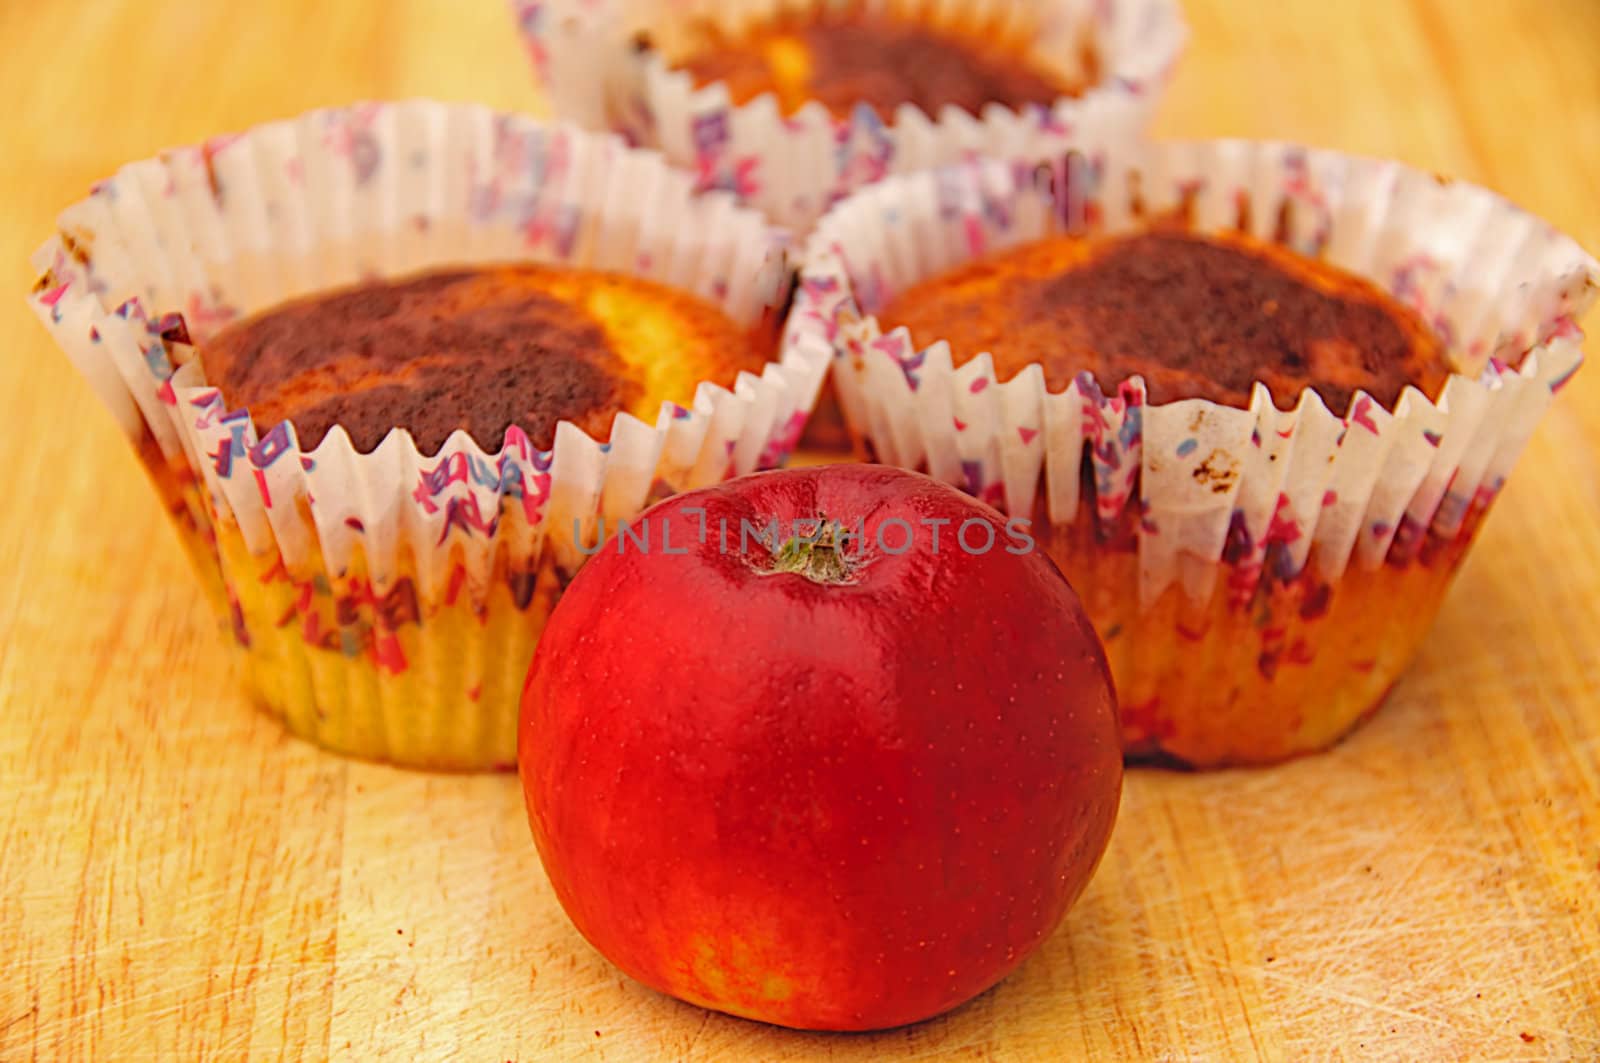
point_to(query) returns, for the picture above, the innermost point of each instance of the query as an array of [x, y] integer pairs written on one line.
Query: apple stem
[[820, 557]]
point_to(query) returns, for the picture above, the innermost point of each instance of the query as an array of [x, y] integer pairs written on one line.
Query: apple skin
[[827, 806]]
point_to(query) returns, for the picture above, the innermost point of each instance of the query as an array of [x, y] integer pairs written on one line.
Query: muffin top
[[847, 56], [479, 349], [1197, 316]]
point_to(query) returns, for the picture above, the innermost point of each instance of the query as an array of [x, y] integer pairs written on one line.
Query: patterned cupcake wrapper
[[382, 189], [586, 56], [1329, 488]]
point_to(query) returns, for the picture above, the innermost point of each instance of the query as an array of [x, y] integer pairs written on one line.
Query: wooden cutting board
[[179, 880]]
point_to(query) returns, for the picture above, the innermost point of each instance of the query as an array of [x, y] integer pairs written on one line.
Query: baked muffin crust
[[477, 349], [842, 58], [1198, 316]]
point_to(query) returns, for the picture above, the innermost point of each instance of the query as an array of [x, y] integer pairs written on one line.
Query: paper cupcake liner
[[1231, 503], [587, 60], [336, 196]]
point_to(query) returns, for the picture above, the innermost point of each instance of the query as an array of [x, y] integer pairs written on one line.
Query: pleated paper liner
[[1260, 577], [589, 62], [388, 603]]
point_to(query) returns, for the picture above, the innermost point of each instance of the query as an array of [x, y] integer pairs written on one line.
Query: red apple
[[845, 784]]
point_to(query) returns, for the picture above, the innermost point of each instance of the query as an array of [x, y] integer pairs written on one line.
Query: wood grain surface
[[178, 880]]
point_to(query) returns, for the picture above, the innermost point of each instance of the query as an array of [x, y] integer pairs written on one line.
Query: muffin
[[1254, 400], [792, 105], [393, 365]]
